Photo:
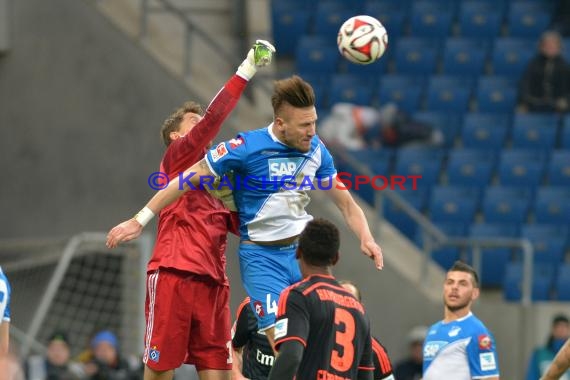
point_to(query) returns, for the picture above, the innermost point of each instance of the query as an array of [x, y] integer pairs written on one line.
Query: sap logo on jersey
[[432, 348], [284, 166]]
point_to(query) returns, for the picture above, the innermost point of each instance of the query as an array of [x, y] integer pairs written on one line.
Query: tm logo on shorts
[[154, 354]]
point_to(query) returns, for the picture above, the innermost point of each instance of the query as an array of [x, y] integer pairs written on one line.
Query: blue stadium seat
[[448, 123], [543, 276], [393, 15], [447, 255], [506, 204], [496, 94], [528, 18], [542, 282], [349, 88], [431, 18], [511, 55], [425, 162], [403, 90], [534, 131], [370, 71], [329, 17], [378, 161], [562, 286], [485, 131], [479, 19], [453, 204], [552, 205], [565, 143], [493, 260], [559, 168], [449, 93], [316, 55], [400, 219], [521, 168], [416, 56], [548, 241], [469, 167], [464, 56], [289, 25]]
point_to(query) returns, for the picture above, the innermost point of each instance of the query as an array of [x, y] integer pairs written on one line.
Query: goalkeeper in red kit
[[187, 302]]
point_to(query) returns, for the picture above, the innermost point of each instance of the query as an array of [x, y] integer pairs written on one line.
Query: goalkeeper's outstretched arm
[[132, 228]]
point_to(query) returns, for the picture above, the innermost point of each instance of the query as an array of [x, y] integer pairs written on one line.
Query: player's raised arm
[[192, 178], [179, 154], [559, 365], [356, 220]]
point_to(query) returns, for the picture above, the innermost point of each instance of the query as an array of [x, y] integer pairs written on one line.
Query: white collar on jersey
[[460, 319], [270, 131]]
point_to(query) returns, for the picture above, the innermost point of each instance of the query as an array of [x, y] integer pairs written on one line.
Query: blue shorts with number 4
[[265, 271]]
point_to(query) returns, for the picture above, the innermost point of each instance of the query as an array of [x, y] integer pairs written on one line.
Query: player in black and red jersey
[[253, 355], [382, 365], [322, 330]]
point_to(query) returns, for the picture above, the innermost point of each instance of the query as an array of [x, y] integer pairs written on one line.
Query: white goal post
[[78, 286]]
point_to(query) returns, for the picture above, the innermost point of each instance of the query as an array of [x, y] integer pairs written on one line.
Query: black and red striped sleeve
[[382, 363], [292, 318], [241, 331]]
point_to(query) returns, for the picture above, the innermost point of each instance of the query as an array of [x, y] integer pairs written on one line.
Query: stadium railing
[[192, 29], [435, 238]]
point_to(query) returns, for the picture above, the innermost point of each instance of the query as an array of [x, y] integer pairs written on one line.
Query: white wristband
[[246, 70], [144, 216]]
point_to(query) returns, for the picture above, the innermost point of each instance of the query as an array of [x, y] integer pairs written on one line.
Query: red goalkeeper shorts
[[187, 321]]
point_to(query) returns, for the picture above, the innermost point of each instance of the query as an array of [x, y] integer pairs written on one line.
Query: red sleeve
[[186, 151], [233, 224]]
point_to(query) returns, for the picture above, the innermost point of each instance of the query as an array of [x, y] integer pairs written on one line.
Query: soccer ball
[[362, 39]]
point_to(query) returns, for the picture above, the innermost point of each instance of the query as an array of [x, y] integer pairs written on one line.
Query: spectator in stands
[[359, 127], [56, 365], [411, 367], [545, 86], [106, 363], [543, 356]]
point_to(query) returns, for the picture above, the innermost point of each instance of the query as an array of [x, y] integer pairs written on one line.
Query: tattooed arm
[[560, 363]]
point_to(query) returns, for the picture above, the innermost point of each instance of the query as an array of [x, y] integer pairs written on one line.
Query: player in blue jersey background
[[4, 313], [460, 347], [275, 166]]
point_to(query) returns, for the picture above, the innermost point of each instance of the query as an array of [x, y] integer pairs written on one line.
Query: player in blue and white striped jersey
[[4, 313], [460, 347]]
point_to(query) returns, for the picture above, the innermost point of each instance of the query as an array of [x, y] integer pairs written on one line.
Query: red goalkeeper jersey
[[192, 231]]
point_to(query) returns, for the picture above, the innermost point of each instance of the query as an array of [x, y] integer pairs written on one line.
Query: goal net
[[77, 286]]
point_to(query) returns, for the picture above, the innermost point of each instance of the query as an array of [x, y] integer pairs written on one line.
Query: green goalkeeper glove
[[259, 55]]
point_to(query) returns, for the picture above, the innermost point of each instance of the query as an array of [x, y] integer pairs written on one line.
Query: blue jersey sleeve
[[482, 355], [227, 156], [4, 298], [326, 169]]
